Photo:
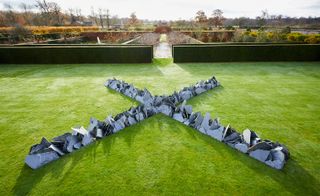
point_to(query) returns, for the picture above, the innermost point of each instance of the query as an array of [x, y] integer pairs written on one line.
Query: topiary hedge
[[257, 52], [71, 54]]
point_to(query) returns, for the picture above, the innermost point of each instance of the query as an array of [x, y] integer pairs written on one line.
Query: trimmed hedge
[[73, 54], [257, 52]]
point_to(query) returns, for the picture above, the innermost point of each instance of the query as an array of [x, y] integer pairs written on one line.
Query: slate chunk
[[93, 124], [262, 146], [247, 136], [200, 90], [241, 147], [87, 139], [178, 117], [205, 123], [71, 140], [132, 120], [38, 160], [79, 130], [44, 144], [57, 150], [233, 138], [77, 145], [277, 159], [185, 95], [99, 133], [216, 133], [261, 155], [250, 137]]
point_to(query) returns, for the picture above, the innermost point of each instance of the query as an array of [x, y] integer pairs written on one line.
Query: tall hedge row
[[259, 52], [75, 54]]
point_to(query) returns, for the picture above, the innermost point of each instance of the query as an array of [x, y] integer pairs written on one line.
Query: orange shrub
[[41, 30]]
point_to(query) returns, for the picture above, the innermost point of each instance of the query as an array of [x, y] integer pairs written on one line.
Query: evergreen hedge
[[71, 54], [246, 52]]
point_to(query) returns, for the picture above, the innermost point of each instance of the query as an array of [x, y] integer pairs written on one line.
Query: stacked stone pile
[[266, 151], [45, 152]]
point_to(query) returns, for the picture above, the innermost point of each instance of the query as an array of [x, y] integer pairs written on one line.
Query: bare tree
[[201, 18], [79, 15], [44, 8], [73, 19], [101, 17], [50, 11], [93, 16], [108, 18], [56, 12], [133, 20], [217, 18], [262, 20], [10, 16], [26, 9]]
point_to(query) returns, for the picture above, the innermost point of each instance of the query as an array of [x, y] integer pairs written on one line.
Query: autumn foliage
[[42, 30]]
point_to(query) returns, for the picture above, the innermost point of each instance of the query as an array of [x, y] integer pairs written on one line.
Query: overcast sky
[[186, 9]]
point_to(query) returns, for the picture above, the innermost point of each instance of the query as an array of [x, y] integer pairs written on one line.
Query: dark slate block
[[70, 142], [262, 146], [200, 90], [205, 123], [217, 133], [132, 120], [77, 145], [242, 147], [178, 117], [57, 150], [232, 138], [87, 139], [261, 155], [93, 124], [185, 95], [44, 144], [38, 160], [278, 158]]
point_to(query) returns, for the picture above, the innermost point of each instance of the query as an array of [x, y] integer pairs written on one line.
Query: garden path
[[163, 48]]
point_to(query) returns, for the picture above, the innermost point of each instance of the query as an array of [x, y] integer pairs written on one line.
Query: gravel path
[[162, 49]]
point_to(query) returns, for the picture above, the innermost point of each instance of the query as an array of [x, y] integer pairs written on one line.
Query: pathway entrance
[[163, 48]]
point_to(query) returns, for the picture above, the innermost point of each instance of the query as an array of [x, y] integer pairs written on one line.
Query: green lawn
[[280, 101]]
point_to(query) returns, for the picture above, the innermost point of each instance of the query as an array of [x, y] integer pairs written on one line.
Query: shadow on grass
[[63, 167], [59, 169], [293, 177], [132, 101]]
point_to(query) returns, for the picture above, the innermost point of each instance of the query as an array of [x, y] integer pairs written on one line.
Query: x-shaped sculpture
[[272, 154]]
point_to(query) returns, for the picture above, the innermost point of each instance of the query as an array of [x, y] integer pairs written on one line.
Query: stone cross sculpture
[[266, 151]]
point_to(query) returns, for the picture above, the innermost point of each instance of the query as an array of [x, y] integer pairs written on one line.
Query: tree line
[[46, 13], [216, 19]]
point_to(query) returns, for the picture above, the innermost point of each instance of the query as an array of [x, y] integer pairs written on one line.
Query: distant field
[[280, 101]]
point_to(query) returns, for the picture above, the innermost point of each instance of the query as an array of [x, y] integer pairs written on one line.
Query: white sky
[[186, 9]]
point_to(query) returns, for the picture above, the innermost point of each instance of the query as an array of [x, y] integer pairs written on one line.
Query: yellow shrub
[[40, 30], [312, 39], [253, 34]]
